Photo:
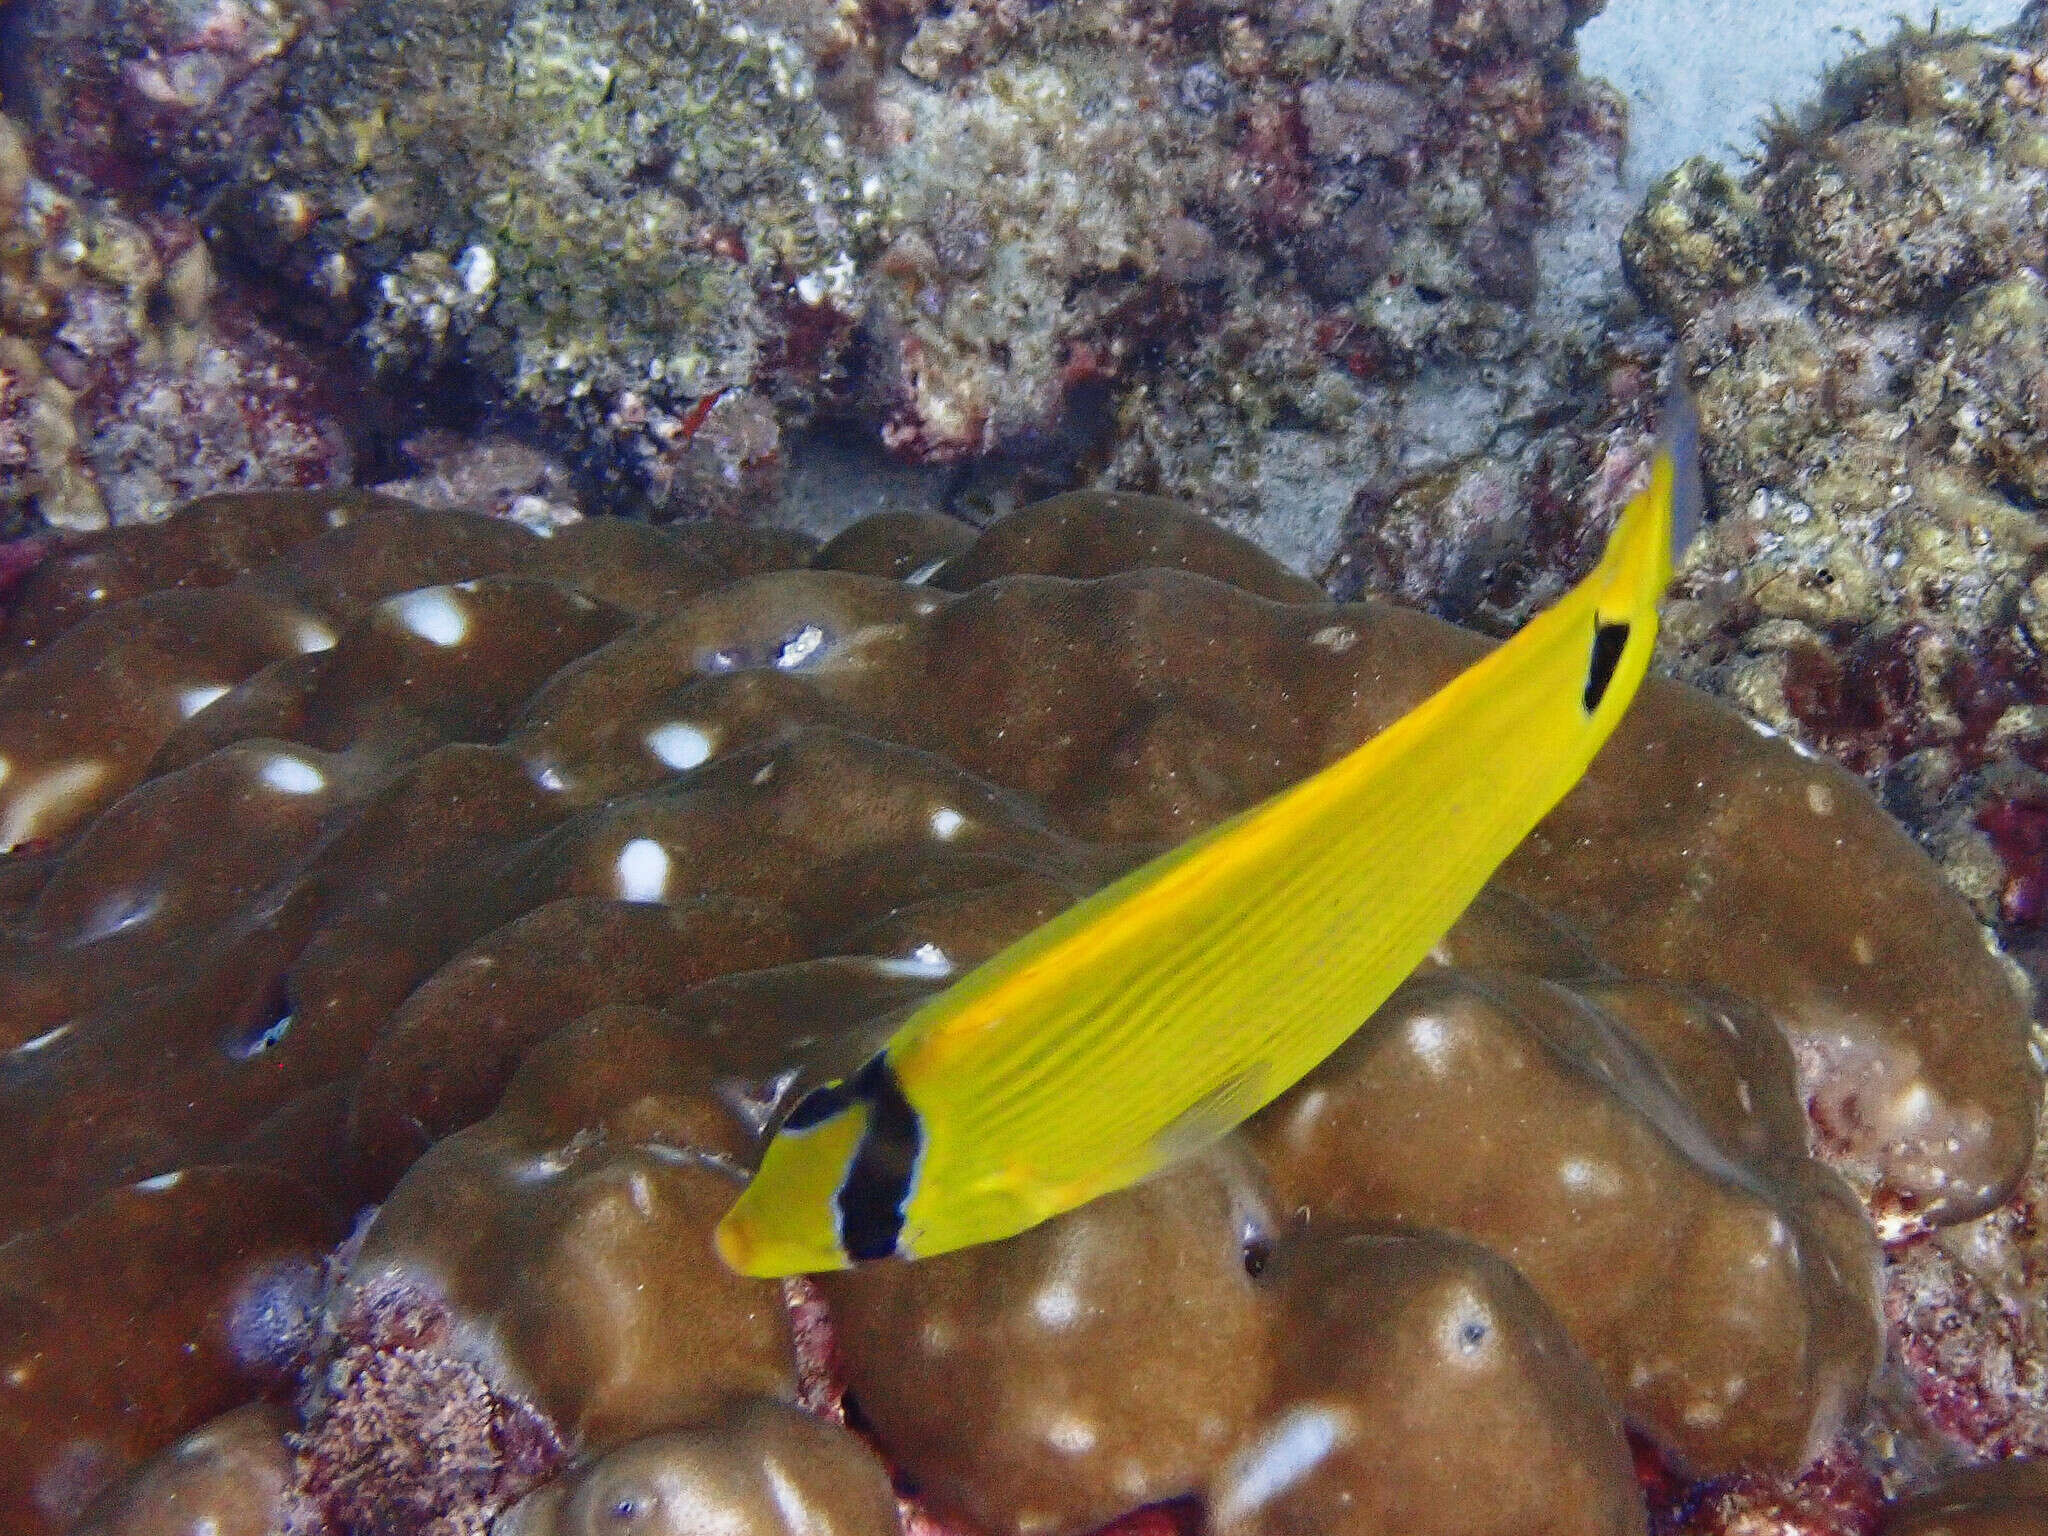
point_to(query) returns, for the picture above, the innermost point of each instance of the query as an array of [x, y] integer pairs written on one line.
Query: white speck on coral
[[800, 647], [1074, 1436], [946, 823], [1056, 1306], [193, 700], [293, 776], [433, 614], [42, 1042], [161, 1182], [1281, 1457], [21, 819], [927, 960], [1467, 1330], [311, 637], [1913, 1106], [643, 871], [1429, 1041], [679, 744]]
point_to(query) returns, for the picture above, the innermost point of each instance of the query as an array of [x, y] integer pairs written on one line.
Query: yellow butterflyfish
[[1148, 1020]]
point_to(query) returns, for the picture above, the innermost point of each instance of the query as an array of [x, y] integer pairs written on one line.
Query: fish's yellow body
[[1150, 1019]]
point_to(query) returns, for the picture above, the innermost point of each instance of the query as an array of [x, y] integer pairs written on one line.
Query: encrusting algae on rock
[[536, 865]]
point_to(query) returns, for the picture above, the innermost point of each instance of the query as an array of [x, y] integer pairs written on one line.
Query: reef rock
[[128, 384], [1863, 318]]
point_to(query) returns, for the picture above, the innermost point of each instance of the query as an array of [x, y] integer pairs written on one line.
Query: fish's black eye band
[[877, 1189], [818, 1106], [1609, 640]]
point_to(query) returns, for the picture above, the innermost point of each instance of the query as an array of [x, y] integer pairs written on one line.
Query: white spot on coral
[[193, 700], [5, 769], [1335, 638], [1820, 799], [1864, 951], [946, 823], [925, 572], [800, 647], [532, 1170], [119, 912], [1430, 1042], [1913, 1106], [1075, 1436], [42, 1042], [311, 637], [549, 778], [1466, 1331], [433, 614], [38, 800], [1285, 1454], [161, 1182], [925, 960], [640, 1190], [1585, 1177], [1765, 731], [797, 1512], [643, 871], [679, 745], [1056, 1305], [293, 776]]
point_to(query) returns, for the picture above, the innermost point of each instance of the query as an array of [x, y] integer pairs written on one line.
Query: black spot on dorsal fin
[[877, 1188], [1608, 642]]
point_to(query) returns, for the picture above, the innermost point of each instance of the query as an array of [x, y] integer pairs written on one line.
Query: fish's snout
[[734, 1246]]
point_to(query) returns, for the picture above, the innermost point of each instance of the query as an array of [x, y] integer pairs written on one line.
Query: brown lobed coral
[[360, 851]]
